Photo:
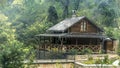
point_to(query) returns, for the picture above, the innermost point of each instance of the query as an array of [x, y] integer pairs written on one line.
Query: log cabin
[[75, 33]]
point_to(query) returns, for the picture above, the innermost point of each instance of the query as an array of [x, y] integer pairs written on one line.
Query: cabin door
[[109, 46]]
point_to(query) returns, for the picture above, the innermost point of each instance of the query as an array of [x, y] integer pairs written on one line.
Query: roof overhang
[[51, 35], [73, 35]]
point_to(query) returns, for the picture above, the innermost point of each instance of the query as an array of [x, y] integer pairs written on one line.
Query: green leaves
[[34, 29], [52, 17], [12, 54]]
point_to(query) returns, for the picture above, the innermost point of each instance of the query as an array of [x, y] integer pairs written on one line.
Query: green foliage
[[109, 32], [30, 32], [59, 65], [89, 62], [25, 14], [118, 51], [52, 17], [98, 61], [106, 10], [106, 60], [65, 7], [12, 54], [119, 63], [6, 34], [90, 58], [57, 55], [73, 52], [26, 18], [86, 51]]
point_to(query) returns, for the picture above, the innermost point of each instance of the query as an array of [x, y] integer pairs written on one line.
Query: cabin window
[[83, 26]]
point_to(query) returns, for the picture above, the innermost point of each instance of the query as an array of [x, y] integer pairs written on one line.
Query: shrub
[[118, 51], [98, 61], [90, 58], [12, 55], [73, 51], [106, 60], [57, 55], [89, 62], [86, 51]]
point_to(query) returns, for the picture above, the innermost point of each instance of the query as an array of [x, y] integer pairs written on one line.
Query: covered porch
[[66, 41]]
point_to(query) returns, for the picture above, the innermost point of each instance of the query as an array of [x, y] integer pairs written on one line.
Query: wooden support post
[[50, 43], [44, 47], [61, 43], [76, 41], [76, 44], [83, 47], [102, 47]]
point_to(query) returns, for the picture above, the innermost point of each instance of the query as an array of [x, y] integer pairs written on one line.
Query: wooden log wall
[[77, 28]]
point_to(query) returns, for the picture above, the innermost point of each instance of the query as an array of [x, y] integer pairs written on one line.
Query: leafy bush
[[57, 55], [98, 61], [12, 55], [89, 62], [86, 51], [73, 52], [90, 58], [118, 51], [106, 60]]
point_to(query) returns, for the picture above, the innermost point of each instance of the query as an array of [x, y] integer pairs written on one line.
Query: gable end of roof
[[67, 23]]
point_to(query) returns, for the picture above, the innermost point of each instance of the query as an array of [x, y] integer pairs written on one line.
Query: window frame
[[83, 27]]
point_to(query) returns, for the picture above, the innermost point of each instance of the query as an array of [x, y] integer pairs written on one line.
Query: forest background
[[21, 20]]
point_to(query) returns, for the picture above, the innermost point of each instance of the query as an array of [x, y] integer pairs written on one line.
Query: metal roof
[[85, 36], [65, 24], [80, 35], [52, 35]]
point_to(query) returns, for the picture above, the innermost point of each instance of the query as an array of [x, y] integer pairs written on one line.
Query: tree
[[6, 34], [65, 4], [12, 55], [108, 13], [76, 4], [52, 15], [35, 29], [12, 52]]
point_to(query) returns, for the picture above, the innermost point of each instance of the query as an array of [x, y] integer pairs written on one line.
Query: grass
[[106, 60]]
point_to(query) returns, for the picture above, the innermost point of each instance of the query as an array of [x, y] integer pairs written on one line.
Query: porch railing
[[94, 48]]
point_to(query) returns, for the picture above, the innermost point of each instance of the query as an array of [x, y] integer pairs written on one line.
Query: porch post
[[50, 43], [61, 43], [76, 44], [103, 45], [76, 41]]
